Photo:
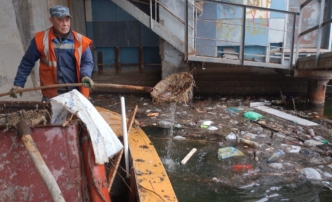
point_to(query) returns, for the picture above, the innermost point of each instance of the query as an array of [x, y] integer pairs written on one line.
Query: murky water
[[205, 178], [196, 181]]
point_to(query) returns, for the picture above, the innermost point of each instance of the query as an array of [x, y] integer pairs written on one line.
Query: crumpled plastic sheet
[[105, 143]]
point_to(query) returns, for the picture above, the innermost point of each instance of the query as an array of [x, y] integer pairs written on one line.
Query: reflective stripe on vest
[[79, 38], [46, 44], [46, 61]]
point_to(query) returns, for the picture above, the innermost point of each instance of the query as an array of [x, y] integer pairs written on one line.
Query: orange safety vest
[[48, 62]]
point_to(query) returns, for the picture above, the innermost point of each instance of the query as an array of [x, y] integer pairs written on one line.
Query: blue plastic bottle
[[276, 156]]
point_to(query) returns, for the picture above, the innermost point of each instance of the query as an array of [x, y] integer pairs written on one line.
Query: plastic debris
[[242, 168], [248, 142], [291, 148], [256, 104], [233, 109], [253, 115], [212, 128], [327, 185], [179, 137], [276, 165], [312, 143], [231, 136], [204, 126], [276, 156], [165, 124], [311, 132], [227, 152], [311, 174], [153, 114]]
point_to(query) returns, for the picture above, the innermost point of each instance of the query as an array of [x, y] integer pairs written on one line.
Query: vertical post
[[243, 34], [118, 62], [267, 54], [195, 30], [285, 36], [155, 11], [292, 43], [151, 25], [100, 63], [141, 59], [319, 37], [186, 31], [299, 30], [125, 134]]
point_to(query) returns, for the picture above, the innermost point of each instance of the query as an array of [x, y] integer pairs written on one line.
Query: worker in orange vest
[[65, 57]]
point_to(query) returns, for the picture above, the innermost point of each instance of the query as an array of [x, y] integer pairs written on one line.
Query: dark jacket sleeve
[[86, 63], [27, 63]]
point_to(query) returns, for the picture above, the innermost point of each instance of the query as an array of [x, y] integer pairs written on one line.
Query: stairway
[[152, 24]]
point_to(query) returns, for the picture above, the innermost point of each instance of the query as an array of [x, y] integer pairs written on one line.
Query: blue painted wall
[[222, 24], [112, 27]]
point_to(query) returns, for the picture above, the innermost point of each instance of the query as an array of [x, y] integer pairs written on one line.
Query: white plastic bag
[[105, 143]]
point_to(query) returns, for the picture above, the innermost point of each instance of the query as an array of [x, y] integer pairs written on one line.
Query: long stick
[[125, 134], [24, 133], [96, 85]]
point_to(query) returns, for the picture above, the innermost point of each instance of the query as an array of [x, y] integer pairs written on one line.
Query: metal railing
[[318, 27], [242, 43]]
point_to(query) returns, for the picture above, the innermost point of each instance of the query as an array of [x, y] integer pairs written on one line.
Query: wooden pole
[[23, 131], [96, 85]]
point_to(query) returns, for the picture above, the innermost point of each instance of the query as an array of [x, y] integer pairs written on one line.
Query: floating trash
[[227, 152], [253, 115]]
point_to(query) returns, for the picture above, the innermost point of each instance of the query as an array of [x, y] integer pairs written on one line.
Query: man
[[65, 57]]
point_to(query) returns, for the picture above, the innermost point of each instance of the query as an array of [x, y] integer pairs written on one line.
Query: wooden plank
[[152, 181], [286, 116]]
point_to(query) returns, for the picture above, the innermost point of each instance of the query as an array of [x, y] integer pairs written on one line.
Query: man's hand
[[13, 91], [87, 82]]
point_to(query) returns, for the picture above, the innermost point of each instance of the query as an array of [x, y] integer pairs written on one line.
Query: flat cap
[[59, 11]]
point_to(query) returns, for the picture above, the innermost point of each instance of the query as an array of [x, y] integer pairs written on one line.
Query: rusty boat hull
[[61, 149]]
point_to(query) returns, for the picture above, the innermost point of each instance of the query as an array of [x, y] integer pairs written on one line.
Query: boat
[[68, 156]]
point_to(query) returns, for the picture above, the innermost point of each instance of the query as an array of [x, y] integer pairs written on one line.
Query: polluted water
[[301, 172], [268, 171]]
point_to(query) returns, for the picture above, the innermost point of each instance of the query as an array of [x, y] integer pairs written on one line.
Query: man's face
[[61, 25]]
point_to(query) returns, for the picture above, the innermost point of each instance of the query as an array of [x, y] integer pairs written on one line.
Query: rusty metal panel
[[325, 61], [59, 146], [306, 63]]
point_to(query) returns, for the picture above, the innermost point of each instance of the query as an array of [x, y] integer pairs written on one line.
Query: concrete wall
[[172, 59], [19, 21]]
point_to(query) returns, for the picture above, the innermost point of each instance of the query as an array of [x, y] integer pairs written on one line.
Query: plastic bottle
[[276, 156], [250, 143]]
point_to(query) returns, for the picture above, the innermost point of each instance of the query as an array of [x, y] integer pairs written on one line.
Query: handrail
[[174, 15], [195, 6], [244, 24], [254, 7], [318, 27]]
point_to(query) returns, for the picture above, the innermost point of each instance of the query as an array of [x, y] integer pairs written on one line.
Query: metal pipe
[[195, 6], [186, 31], [243, 34], [151, 25], [130, 64], [253, 7], [329, 21], [170, 12], [305, 3], [125, 135], [319, 37], [292, 43], [299, 35]]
